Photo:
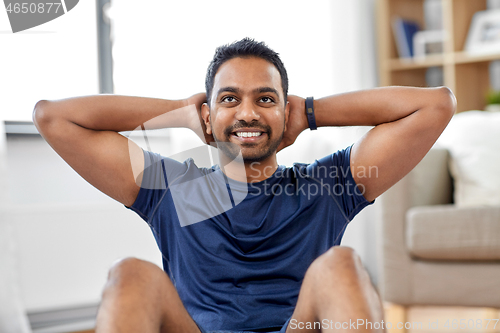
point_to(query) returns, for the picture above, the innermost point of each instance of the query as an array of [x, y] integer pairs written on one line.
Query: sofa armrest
[[429, 183], [451, 233]]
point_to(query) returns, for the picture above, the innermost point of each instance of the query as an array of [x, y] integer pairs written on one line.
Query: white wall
[[67, 233]]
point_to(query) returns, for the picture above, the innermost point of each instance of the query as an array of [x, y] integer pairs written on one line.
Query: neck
[[250, 172]]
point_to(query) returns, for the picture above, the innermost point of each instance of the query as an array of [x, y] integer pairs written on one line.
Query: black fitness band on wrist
[[311, 119]]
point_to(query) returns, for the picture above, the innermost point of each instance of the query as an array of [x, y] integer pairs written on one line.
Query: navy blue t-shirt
[[237, 252]]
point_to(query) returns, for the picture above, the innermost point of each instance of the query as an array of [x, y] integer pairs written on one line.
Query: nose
[[246, 111]]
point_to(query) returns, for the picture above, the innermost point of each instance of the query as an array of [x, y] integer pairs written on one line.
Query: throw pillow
[[473, 139]]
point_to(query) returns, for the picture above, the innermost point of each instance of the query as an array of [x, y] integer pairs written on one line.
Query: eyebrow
[[228, 89], [256, 90], [266, 89]]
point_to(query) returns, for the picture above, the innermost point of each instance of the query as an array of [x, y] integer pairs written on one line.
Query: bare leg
[[139, 297], [336, 290]]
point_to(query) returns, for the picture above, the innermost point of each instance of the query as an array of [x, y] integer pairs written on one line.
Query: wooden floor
[[446, 319], [435, 319]]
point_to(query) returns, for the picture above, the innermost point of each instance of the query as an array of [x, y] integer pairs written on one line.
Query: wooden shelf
[[467, 75], [462, 57], [410, 63]]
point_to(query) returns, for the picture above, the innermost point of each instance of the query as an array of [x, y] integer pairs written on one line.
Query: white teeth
[[248, 134]]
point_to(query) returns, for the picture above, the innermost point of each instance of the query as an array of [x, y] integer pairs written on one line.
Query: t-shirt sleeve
[[158, 172], [334, 172]]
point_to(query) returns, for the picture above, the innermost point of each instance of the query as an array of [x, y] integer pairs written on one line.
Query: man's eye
[[229, 99], [266, 100]]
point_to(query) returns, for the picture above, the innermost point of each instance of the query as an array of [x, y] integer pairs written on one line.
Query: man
[[266, 260]]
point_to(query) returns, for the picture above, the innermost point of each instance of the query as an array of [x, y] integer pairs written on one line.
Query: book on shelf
[[404, 30]]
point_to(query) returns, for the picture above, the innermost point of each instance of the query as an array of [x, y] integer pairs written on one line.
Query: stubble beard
[[232, 150]]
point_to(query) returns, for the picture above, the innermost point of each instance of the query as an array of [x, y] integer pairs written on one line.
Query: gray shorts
[[282, 330]]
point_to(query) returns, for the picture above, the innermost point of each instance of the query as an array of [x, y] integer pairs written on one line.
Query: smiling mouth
[[245, 134], [248, 136]]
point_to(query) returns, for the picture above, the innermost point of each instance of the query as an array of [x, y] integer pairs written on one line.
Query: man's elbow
[[39, 111], [446, 102], [42, 115]]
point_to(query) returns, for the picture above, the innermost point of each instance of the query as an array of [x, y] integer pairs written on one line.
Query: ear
[[205, 114], [287, 112]]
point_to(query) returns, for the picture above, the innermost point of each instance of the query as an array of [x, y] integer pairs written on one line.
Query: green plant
[[493, 97]]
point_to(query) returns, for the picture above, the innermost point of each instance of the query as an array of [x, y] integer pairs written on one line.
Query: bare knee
[[338, 257], [135, 292], [338, 263], [129, 267], [130, 272]]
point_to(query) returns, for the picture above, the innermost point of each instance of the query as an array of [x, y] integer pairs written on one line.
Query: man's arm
[[407, 121], [84, 132]]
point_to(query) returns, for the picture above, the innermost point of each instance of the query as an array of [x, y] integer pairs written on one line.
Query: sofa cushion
[[447, 232], [473, 139]]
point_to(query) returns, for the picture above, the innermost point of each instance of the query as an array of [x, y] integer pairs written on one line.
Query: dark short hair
[[247, 47]]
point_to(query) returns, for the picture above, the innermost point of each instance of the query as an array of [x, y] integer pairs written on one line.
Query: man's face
[[247, 109]]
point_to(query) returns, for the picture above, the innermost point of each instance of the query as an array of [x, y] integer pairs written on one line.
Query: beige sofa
[[433, 253]]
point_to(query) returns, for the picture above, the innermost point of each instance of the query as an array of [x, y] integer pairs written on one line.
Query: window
[[163, 48], [55, 60]]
